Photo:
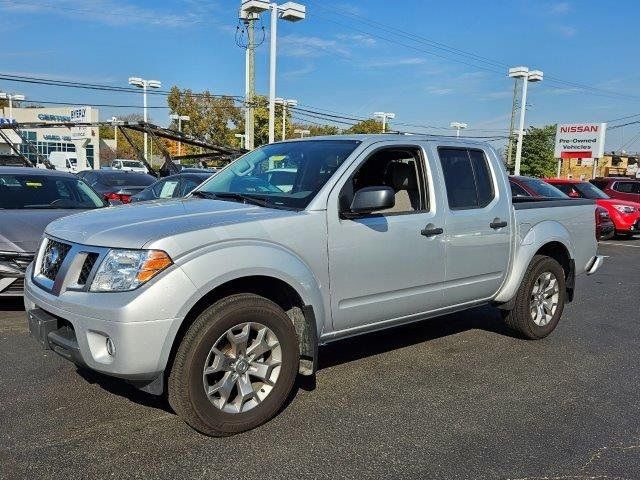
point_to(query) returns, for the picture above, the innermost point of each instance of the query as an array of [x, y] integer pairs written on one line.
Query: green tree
[[370, 125], [537, 152], [214, 119]]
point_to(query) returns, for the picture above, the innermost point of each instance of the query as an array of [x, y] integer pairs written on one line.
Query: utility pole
[[250, 86], [513, 121]]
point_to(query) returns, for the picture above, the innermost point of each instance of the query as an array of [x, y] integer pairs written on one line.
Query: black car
[[31, 198], [115, 184], [173, 186]]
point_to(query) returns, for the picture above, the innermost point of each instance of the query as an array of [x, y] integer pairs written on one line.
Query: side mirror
[[372, 199]]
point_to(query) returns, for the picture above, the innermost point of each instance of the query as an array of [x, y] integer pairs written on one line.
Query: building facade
[[84, 141], [610, 165]]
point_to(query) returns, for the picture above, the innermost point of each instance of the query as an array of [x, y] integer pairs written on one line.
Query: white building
[[85, 141]]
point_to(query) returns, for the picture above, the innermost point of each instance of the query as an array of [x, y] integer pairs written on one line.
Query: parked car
[[115, 185], [527, 187], [522, 186], [173, 186], [129, 165], [624, 214], [222, 298], [624, 188], [30, 198]]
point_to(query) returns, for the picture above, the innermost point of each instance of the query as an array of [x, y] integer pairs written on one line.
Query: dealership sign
[[580, 140], [80, 115]]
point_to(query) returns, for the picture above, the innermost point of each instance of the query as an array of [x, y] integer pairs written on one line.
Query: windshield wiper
[[203, 194], [242, 197]]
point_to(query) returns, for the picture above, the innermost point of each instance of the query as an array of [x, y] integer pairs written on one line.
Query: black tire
[[186, 392], [519, 319]]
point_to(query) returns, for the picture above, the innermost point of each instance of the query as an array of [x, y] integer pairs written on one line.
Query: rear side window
[[627, 187], [467, 178], [517, 190]]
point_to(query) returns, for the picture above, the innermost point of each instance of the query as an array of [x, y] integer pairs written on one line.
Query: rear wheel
[[540, 299], [235, 366]]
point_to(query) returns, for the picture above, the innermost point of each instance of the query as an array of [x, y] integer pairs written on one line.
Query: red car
[[624, 188], [625, 214], [522, 187]]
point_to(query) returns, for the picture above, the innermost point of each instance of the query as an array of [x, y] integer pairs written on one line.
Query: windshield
[[20, 191], [282, 175], [132, 164], [127, 178], [590, 191], [542, 188]]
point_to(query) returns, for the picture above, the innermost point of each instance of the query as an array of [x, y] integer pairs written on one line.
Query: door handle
[[497, 223], [430, 230]]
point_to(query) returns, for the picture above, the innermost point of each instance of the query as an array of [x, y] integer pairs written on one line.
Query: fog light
[[111, 348]]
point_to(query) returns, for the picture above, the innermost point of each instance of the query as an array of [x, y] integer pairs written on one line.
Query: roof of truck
[[385, 137]]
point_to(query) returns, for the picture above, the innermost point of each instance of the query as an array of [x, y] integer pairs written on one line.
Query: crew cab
[[220, 299], [624, 214]]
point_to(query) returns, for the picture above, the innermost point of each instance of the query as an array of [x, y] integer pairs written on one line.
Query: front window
[[590, 191], [21, 191], [281, 175]]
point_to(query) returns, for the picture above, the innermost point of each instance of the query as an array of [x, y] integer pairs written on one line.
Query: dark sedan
[[173, 186], [116, 185], [31, 198]]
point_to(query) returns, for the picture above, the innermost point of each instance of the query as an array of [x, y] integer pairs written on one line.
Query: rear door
[[477, 226]]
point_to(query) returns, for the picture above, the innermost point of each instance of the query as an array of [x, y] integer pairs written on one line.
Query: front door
[[388, 265]]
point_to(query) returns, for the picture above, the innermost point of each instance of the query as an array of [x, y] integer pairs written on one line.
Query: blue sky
[[339, 60]]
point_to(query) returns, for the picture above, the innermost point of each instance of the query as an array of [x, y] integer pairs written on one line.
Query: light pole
[[458, 126], [144, 84], [289, 11], [7, 96], [527, 76], [180, 119], [384, 116], [302, 132], [285, 103], [243, 140], [115, 122]]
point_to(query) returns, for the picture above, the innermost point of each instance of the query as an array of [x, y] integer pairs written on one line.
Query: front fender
[[220, 263], [538, 236]]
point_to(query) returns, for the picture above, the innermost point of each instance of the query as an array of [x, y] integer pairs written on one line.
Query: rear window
[[542, 188], [467, 178], [627, 187], [46, 192], [126, 178]]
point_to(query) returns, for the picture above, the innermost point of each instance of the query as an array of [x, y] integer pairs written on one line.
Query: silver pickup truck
[[220, 299]]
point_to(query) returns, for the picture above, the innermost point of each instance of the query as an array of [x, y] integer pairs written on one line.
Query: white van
[[130, 165], [64, 161]]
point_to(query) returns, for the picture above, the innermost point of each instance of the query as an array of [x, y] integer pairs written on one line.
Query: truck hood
[[134, 225], [21, 230]]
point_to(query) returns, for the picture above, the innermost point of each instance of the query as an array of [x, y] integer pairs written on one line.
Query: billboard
[[580, 140]]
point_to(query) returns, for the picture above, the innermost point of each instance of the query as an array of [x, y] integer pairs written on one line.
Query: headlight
[[123, 270], [624, 208]]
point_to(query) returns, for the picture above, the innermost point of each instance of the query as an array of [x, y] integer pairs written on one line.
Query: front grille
[[52, 258], [87, 266]]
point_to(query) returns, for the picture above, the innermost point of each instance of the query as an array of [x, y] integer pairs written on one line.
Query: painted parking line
[[619, 244]]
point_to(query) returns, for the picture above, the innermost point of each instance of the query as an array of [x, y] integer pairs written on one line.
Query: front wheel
[[235, 366], [540, 299]]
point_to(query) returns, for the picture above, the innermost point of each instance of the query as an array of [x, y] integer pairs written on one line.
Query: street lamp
[[7, 96], [384, 116], [180, 119], [527, 76], [115, 122], [458, 126], [302, 132], [243, 141], [144, 84], [285, 103], [289, 11]]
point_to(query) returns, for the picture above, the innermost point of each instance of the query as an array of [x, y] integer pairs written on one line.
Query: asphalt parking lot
[[454, 397]]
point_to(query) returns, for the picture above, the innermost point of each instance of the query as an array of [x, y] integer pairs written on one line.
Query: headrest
[[401, 176]]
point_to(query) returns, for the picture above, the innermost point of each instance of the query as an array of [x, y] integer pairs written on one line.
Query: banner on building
[[80, 115], [580, 140]]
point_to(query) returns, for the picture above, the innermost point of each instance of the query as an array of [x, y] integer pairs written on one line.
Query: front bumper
[[140, 324]]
